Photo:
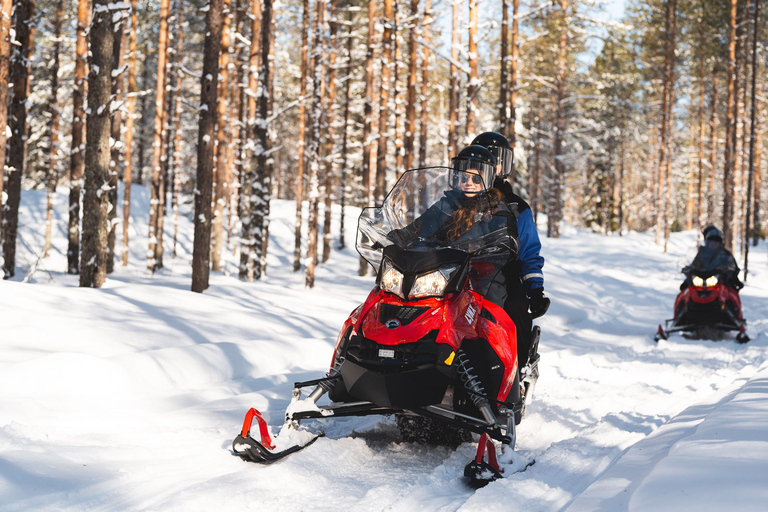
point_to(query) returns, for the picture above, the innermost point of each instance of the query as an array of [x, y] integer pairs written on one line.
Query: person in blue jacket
[[523, 277]]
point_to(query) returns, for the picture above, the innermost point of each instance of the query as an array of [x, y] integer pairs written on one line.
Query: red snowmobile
[[426, 345], [707, 306]]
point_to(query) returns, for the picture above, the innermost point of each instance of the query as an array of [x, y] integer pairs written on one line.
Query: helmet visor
[[472, 174], [504, 159]]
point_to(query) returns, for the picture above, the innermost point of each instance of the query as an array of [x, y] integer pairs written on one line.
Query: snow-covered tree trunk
[[702, 90], [269, 161], [503, 77], [24, 20], [77, 152], [453, 94], [410, 110], [368, 140], [299, 183], [330, 113], [175, 149], [154, 250], [345, 134], [250, 184], [474, 82], [129, 121], [53, 107], [758, 172], [207, 123], [424, 113], [237, 114], [5, 50], [222, 134], [118, 84], [143, 107], [93, 265], [397, 101], [314, 144], [386, 84]]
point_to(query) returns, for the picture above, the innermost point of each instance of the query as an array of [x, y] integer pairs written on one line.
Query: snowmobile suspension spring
[[470, 380]]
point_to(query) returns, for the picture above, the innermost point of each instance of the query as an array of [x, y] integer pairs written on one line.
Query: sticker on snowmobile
[[383, 352], [470, 314]]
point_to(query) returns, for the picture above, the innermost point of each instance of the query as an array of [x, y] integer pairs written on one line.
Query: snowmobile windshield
[[428, 210], [713, 260]]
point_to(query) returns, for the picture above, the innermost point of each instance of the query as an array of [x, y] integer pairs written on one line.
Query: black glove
[[539, 304]]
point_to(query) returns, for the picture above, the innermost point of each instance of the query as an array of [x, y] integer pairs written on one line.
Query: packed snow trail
[[128, 397]]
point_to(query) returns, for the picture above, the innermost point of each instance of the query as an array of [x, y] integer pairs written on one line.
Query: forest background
[[652, 122]]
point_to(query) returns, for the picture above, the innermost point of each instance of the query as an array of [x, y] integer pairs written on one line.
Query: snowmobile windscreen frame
[[424, 213]]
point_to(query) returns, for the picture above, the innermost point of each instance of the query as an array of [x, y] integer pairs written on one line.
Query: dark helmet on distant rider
[[499, 147], [472, 163], [713, 236]]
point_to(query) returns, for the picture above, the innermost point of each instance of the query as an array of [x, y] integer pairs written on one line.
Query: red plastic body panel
[[701, 295], [455, 316]]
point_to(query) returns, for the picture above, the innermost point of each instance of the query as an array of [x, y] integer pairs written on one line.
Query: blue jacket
[[531, 262]]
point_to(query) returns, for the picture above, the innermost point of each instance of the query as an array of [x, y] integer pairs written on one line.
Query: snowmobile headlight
[[697, 281], [391, 279], [711, 281], [434, 283]]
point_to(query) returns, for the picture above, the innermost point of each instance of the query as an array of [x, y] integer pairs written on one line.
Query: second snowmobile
[[426, 345]]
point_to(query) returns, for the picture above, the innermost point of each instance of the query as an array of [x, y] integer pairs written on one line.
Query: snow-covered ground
[[128, 397]]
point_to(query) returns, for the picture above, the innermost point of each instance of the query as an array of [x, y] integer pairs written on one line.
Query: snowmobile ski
[[265, 451]]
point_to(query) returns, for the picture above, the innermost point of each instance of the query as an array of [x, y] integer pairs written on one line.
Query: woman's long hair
[[465, 216]]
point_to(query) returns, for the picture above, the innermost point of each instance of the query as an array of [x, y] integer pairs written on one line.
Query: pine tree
[[53, 160], [93, 265], [5, 50], [205, 146], [299, 185], [129, 122], [24, 16]]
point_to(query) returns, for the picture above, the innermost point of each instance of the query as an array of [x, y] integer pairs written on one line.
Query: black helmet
[[711, 232], [499, 146], [476, 159]]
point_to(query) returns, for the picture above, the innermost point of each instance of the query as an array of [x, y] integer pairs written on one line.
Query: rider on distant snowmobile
[[713, 257], [524, 279]]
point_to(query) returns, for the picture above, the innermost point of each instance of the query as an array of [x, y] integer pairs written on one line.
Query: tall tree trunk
[[118, 81], [758, 174], [268, 56], [535, 200], [669, 84], [299, 185], [157, 195], [53, 107], [504, 78], [713, 151], [5, 51], [397, 89], [345, 137], [141, 153], [314, 147], [453, 93], [129, 120], [699, 192], [329, 139], [555, 208], [474, 82], [512, 131], [237, 115], [427, 27], [410, 123], [621, 183], [93, 265], [752, 137], [730, 138], [207, 122], [368, 141], [77, 152], [386, 83], [250, 185], [175, 153], [24, 16], [222, 134]]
